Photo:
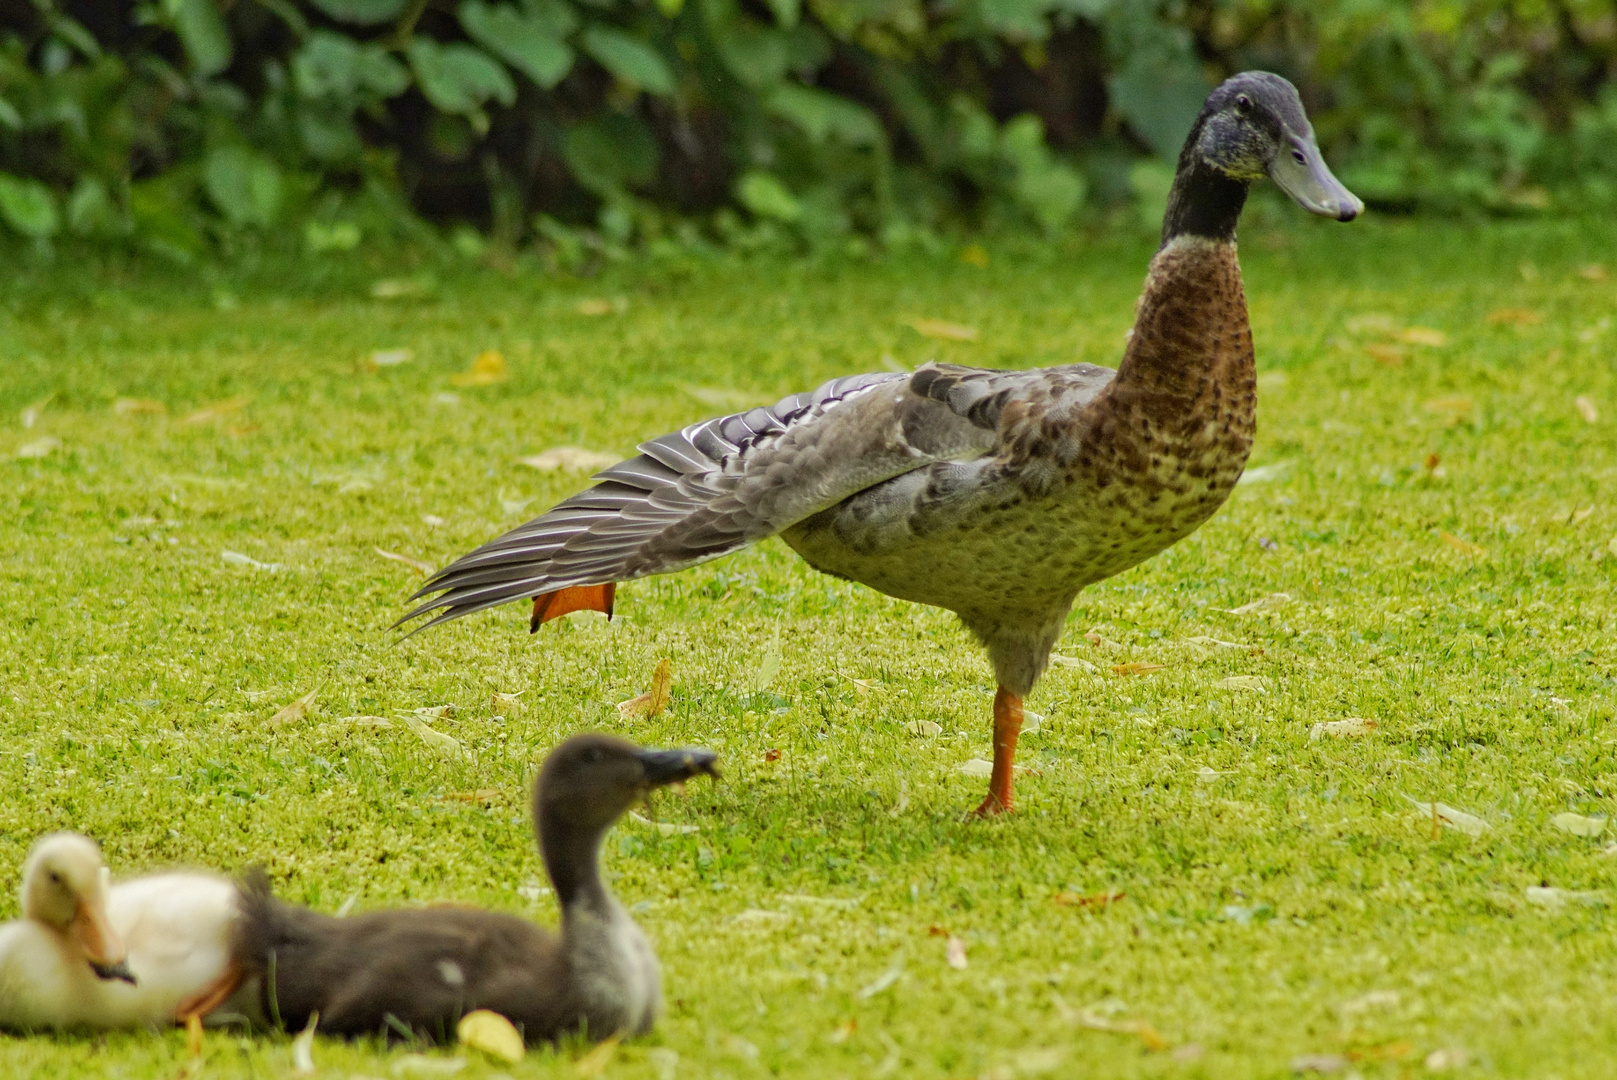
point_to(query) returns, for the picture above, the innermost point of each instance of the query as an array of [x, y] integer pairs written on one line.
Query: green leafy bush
[[179, 125]]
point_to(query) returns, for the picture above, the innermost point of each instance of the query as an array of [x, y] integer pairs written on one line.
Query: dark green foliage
[[176, 124]]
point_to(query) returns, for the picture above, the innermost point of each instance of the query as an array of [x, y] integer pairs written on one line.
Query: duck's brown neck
[[1191, 334]]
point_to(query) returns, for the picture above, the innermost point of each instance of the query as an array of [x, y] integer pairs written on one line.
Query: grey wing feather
[[722, 484]]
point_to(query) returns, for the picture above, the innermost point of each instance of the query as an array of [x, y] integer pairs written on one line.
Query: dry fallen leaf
[[486, 370], [772, 754], [1465, 547], [446, 744], [655, 700], [39, 448], [217, 411], [391, 357], [424, 567], [1389, 355], [1318, 1063], [1073, 662], [1371, 322], [1555, 899], [943, 331], [400, 289], [1245, 682], [138, 406], [481, 795], [505, 703], [295, 709], [595, 1062], [595, 306], [925, 729], [422, 1065], [667, 828], [1422, 335], [1214, 643], [1592, 272], [1515, 317], [977, 767], [1456, 407], [1469, 824], [1095, 639], [1352, 727], [1447, 1058], [1266, 603], [1100, 900], [1578, 825], [493, 1034], [955, 952], [1586, 409], [882, 982], [569, 459], [1149, 1037], [842, 1031], [1136, 667], [303, 1047], [430, 713]]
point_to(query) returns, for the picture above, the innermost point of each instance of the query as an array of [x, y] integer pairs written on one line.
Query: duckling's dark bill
[[120, 971], [672, 766]]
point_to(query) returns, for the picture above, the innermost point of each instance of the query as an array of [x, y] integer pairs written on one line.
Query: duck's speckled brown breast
[[1166, 442]]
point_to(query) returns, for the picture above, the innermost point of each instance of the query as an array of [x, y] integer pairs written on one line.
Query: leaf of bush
[[362, 12], [822, 115], [202, 30], [629, 59], [766, 196], [1020, 20], [608, 153], [1159, 94], [526, 43], [459, 78], [243, 184], [28, 206], [335, 66]]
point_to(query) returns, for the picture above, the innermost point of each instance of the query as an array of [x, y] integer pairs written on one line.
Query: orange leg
[[553, 605], [209, 998], [1007, 726]]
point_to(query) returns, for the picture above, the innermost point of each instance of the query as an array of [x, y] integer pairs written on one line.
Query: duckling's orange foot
[[553, 605]]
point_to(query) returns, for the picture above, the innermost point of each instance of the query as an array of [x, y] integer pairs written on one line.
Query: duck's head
[[65, 886], [591, 780], [1253, 125]]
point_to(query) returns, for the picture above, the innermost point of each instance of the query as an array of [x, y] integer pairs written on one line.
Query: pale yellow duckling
[[87, 953]]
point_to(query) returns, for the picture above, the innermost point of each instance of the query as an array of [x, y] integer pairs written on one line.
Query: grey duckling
[[414, 973], [998, 495]]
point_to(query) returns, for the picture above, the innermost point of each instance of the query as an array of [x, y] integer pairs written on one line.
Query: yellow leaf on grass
[[925, 729], [1422, 335], [217, 411], [504, 703], [594, 306], [1136, 667], [1578, 825], [1456, 407], [655, 700], [1465, 547], [943, 331], [295, 709], [424, 567], [491, 1033], [769, 667], [595, 1062], [436, 739], [569, 459], [39, 448], [126, 406], [1469, 824], [955, 953], [391, 357], [1264, 603], [1371, 322], [481, 795], [1389, 355], [1514, 316], [1073, 662], [667, 828], [1350, 728], [486, 370], [1245, 682], [1586, 409], [977, 767]]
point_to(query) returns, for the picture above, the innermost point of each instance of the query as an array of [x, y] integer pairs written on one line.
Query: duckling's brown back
[[402, 974]]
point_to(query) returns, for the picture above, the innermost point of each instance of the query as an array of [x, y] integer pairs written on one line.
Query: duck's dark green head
[[1253, 125]]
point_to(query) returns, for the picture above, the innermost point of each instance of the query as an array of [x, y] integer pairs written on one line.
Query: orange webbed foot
[[553, 605]]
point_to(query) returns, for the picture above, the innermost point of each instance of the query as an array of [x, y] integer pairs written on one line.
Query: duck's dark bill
[[120, 970], [672, 766], [1301, 172]]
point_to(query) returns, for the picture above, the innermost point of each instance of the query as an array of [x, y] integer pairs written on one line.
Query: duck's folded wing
[[721, 484]]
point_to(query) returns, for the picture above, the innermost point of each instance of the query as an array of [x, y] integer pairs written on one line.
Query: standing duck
[[87, 953], [415, 973], [996, 494]]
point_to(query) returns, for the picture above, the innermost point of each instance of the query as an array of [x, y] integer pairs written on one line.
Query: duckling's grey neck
[[613, 974], [1204, 202]]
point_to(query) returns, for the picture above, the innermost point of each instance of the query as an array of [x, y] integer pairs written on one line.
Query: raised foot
[[553, 605]]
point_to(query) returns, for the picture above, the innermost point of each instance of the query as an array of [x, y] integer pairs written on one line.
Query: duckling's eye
[[56, 879], [1243, 104]]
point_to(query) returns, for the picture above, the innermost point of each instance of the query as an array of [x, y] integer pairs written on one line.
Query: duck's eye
[[1299, 157], [1243, 104]]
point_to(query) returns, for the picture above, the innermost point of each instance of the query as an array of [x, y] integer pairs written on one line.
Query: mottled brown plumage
[[998, 495]]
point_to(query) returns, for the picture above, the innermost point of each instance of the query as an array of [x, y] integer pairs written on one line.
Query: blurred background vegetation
[[579, 128]]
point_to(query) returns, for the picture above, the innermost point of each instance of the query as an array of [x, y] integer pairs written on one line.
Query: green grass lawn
[[1431, 497]]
